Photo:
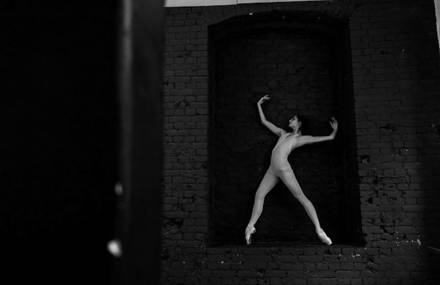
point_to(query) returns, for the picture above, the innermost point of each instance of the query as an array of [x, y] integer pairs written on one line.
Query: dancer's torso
[[286, 143]]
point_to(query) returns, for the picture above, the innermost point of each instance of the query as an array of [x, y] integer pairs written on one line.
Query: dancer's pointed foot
[[248, 233], [323, 237]]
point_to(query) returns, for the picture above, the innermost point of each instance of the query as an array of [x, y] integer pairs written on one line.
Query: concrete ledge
[[195, 3]]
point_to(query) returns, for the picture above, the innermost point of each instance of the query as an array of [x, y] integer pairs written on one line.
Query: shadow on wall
[[425, 176]]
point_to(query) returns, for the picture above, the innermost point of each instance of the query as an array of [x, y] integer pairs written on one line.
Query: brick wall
[[395, 72]]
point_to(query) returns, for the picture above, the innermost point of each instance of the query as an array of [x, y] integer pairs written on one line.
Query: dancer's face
[[294, 123]]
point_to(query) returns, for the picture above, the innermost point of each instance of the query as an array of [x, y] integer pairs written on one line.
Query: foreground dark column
[[141, 50]]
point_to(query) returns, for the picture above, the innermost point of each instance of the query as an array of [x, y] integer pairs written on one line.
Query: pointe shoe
[[248, 233], [323, 237]]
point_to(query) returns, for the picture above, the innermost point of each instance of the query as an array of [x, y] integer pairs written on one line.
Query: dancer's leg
[[267, 183], [289, 178]]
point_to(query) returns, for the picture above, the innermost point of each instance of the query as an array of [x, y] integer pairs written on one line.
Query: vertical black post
[[141, 58]]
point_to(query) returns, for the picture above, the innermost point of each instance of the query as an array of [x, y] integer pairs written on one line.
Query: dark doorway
[[303, 62]]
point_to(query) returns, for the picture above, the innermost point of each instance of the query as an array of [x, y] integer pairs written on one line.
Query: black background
[[59, 139]]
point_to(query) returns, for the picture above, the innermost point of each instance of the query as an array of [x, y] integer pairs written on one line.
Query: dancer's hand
[[264, 98], [334, 125]]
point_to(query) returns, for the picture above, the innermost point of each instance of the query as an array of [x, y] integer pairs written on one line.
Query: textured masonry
[[397, 121]]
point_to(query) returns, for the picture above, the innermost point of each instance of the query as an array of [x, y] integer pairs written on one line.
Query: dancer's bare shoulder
[[291, 136], [294, 140], [301, 140]]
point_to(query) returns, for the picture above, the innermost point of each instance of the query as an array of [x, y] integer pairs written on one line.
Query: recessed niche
[[303, 62]]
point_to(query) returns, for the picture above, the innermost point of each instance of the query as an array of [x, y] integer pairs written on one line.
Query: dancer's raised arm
[[312, 139], [276, 130]]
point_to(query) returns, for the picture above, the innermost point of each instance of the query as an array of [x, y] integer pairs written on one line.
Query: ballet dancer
[[280, 169]]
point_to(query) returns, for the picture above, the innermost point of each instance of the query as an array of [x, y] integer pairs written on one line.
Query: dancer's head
[[296, 123]]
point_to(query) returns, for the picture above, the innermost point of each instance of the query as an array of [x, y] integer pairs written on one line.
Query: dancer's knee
[[259, 196], [298, 194]]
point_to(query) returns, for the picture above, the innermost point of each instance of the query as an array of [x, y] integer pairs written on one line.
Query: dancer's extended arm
[[276, 130], [313, 139]]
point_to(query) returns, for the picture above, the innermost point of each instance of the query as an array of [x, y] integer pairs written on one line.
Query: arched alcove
[[303, 62]]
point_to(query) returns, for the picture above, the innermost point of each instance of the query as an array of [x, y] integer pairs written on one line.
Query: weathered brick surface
[[397, 111]]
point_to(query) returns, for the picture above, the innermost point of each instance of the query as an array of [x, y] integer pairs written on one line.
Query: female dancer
[[280, 169]]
